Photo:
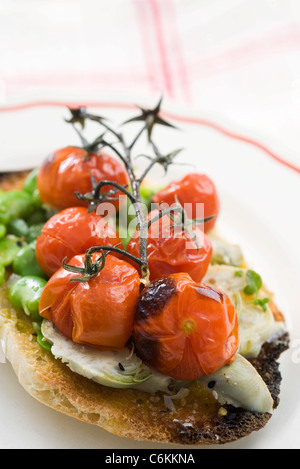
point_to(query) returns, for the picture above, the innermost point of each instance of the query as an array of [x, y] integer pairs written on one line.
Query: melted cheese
[[255, 325]]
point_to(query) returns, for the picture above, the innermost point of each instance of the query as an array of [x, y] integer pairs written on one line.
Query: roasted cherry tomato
[[171, 250], [70, 232], [185, 329], [193, 189], [69, 170], [98, 312]]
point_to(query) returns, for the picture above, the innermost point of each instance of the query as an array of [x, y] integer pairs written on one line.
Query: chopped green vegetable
[[238, 273], [262, 303], [254, 283]]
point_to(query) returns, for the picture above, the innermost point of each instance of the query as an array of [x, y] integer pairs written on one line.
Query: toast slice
[[197, 417]]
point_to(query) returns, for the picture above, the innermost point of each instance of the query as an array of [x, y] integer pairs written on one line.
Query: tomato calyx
[[180, 220], [163, 160], [91, 269], [150, 117], [96, 197], [79, 115]]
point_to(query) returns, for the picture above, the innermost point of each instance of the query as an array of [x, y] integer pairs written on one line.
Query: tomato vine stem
[[150, 118]]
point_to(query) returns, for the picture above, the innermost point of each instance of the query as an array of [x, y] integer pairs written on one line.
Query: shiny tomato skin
[[69, 170], [171, 251], [192, 189], [185, 329], [70, 232], [99, 312]]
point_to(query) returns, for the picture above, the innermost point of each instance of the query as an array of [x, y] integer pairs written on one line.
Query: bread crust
[[12, 181], [129, 413]]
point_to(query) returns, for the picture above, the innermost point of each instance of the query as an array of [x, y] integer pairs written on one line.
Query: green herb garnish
[[238, 273], [262, 303], [254, 283]]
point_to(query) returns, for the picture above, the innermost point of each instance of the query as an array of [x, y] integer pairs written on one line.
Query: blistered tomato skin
[[69, 170], [185, 329], [70, 232], [172, 250], [193, 189], [99, 312]]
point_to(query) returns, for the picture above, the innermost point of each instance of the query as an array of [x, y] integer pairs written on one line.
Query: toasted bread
[[198, 418]]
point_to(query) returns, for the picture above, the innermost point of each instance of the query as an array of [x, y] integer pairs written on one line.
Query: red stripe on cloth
[[175, 117], [181, 68], [146, 43], [163, 55], [70, 104], [282, 40]]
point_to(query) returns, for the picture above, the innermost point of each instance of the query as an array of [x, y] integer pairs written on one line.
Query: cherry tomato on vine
[[69, 170], [171, 250], [70, 232], [98, 312], [185, 329], [193, 189]]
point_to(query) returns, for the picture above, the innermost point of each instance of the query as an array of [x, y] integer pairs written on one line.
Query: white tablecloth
[[239, 59]]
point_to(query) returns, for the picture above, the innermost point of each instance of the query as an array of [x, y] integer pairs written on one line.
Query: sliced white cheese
[[255, 328], [224, 277], [117, 369], [225, 253], [255, 325], [240, 385]]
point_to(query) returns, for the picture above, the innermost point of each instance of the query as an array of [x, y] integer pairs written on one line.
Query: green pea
[[15, 204], [43, 342], [2, 274], [146, 195], [30, 186], [30, 182], [33, 232], [3, 230], [26, 294], [39, 216], [18, 227], [25, 262], [40, 338], [9, 247]]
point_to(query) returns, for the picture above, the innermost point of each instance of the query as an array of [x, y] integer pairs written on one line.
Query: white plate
[[260, 191]]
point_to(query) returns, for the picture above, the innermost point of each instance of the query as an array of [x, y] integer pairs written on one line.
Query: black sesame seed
[[231, 416], [121, 367], [211, 384]]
